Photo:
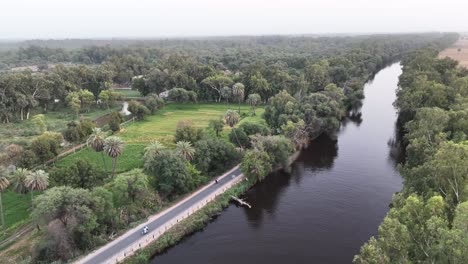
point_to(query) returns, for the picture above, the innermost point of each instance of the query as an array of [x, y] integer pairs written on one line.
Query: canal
[[323, 211]]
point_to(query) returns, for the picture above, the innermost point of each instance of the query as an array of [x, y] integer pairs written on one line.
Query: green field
[[161, 127], [129, 93], [16, 207]]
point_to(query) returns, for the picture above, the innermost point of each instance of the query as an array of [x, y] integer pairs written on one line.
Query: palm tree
[[153, 150], [4, 183], [113, 147], [96, 141], [18, 180], [185, 150], [238, 91], [37, 181], [231, 118], [253, 100]]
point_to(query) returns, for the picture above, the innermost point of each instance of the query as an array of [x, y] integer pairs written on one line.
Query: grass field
[[459, 52], [16, 207], [161, 127], [129, 93]]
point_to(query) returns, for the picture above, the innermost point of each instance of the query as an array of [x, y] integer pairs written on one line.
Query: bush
[[78, 131], [153, 102], [181, 95], [186, 132], [46, 146], [27, 159], [138, 110], [114, 121], [217, 125]]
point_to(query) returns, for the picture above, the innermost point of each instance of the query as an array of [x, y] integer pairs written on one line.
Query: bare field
[[459, 51]]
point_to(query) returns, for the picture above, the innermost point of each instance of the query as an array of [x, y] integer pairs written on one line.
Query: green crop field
[[16, 207], [161, 127]]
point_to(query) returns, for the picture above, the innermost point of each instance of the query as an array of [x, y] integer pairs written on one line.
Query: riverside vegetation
[[428, 219], [304, 85]]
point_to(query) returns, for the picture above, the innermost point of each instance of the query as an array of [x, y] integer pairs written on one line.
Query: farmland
[[459, 52]]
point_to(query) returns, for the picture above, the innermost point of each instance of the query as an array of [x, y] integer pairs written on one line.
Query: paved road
[[132, 236]]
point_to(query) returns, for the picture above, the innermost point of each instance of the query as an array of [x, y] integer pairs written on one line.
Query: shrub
[[47, 145], [181, 95], [138, 110], [78, 131], [186, 132], [114, 121], [154, 102], [27, 159]]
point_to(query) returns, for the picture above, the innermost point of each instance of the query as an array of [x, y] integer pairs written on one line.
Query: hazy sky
[[156, 18]]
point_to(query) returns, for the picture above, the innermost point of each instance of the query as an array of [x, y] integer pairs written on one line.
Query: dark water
[[323, 211]]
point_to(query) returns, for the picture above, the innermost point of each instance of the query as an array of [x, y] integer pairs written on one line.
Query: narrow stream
[[323, 211]]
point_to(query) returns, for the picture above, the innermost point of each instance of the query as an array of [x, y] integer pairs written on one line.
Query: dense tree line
[[208, 69], [428, 221]]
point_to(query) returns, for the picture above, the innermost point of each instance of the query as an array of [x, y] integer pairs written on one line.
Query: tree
[[217, 82], [256, 164], [253, 100], [81, 174], [138, 110], [47, 145], [185, 150], [4, 183], [278, 148], [217, 125], [281, 108], [153, 151], [73, 101], [214, 156], [186, 132], [114, 121], [37, 181], [96, 141], [297, 133], [226, 93], [260, 86], [238, 90], [154, 102], [108, 97], [70, 216], [39, 122], [232, 118], [245, 130], [129, 186], [18, 180], [113, 147], [169, 172]]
